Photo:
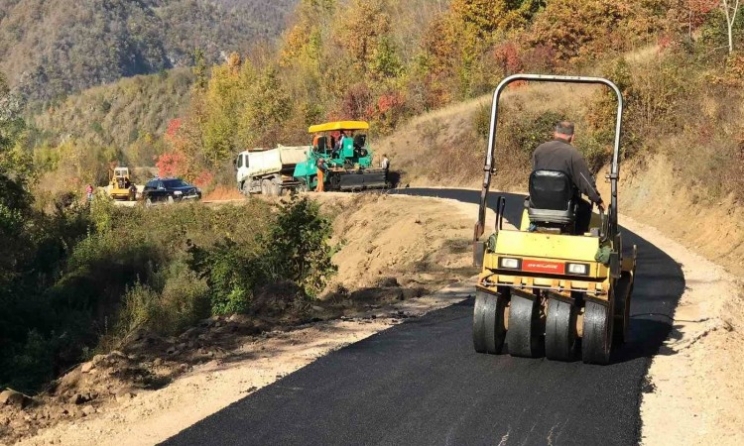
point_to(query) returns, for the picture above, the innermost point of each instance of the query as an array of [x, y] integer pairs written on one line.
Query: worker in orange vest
[[322, 170]]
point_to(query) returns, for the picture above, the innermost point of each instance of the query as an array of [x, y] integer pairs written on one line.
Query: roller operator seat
[[552, 198]]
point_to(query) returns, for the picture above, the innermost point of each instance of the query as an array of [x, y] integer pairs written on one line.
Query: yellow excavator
[[543, 289], [121, 186]]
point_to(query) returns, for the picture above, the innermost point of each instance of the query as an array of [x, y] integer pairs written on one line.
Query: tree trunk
[[730, 13]]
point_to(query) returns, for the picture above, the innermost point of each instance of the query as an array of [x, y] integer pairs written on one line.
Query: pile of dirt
[[78, 394], [220, 193], [423, 247], [694, 380]]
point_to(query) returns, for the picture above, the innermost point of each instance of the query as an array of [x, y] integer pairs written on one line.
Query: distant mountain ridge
[[49, 48]]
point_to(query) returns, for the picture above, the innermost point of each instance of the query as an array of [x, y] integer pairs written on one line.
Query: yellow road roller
[[543, 289], [121, 186]]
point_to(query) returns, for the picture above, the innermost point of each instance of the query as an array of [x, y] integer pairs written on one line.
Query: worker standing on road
[[322, 170], [560, 155], [385, 165], [89, 192]]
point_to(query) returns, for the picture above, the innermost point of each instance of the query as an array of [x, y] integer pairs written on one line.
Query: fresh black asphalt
[[421, 383]]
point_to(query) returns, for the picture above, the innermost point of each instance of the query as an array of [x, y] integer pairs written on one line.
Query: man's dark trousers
[[583, 216]]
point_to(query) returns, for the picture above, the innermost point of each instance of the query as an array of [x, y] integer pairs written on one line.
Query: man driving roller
[[559, 154]]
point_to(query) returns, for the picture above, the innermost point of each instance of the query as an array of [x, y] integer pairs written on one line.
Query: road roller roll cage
[[609, 227]]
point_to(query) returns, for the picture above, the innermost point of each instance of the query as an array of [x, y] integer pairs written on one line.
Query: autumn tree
[[13, 168], [303, 37], [224, 100], [267, 105], [363, 31], [579, 30]]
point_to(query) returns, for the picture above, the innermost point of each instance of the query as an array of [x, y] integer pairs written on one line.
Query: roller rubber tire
[[522, 336], [560, 331], [488, 323], [622, 312], [596, 344]]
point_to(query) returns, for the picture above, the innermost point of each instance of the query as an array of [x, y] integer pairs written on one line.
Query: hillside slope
[[129, 115], [447, 148], [49, 48]]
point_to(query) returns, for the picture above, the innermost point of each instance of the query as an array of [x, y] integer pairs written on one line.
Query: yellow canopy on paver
[[338, 125]]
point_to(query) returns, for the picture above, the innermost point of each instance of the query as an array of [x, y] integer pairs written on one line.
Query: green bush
[[295, 249], [85, 278], [297, 245], [523, 130], [139, 309], [482, 121], [31, 362], [184, 299], [231, 272]]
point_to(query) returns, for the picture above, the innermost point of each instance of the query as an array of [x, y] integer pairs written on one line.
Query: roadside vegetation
[[81, 278], [86, 279]]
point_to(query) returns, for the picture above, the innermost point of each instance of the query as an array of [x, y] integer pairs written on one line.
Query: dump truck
[[544, 288], [349, 165], [269, 172]]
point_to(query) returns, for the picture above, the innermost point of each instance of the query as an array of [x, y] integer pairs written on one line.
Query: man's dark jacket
[[559, 155]]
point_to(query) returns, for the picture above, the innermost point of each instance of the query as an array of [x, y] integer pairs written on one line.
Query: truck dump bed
[[281, 159]]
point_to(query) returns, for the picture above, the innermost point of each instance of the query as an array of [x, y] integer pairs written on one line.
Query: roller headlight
[[509, 263], [579, 269]]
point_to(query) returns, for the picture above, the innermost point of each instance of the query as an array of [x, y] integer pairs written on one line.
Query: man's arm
[[584, 179]]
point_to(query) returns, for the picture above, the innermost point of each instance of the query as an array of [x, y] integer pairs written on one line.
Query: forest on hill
[[51, 48], [386, 62]]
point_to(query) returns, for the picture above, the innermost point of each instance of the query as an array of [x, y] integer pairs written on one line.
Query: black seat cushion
[[551, 197], [551, 189]]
